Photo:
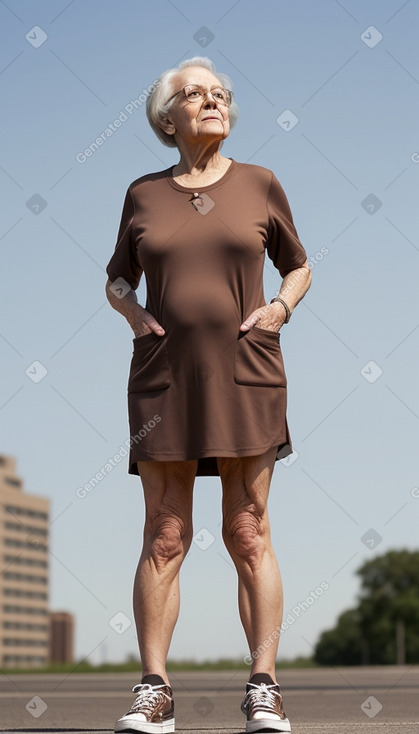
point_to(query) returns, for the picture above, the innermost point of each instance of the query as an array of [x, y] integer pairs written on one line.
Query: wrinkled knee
[[169, 541], [244, 536]]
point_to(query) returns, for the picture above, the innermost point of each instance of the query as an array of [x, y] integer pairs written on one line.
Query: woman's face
[[203, 118]]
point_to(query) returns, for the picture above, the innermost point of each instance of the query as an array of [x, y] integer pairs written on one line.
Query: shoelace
[[148, 697], [262, 696]]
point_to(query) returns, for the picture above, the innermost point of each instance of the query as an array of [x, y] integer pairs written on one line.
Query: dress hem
[[285, 447]]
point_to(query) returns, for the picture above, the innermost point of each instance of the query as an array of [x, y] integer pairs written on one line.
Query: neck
[[199, 160]]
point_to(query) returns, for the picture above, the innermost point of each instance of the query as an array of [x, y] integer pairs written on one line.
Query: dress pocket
[[258, 359], [149, 369]]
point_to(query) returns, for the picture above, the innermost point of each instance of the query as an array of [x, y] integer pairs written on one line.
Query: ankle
[[155, 679], [267, 677]]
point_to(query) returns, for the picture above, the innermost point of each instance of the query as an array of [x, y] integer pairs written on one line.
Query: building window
[[21, 528], [13, 576], [26, 544], [15, 510], [22, 561], [19, 642], [12, 481], [14, 609], [25, 594]]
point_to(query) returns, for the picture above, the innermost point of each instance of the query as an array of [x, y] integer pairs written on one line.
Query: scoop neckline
[[192, 189]]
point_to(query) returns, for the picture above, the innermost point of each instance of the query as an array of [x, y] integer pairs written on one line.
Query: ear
[[168, 126]]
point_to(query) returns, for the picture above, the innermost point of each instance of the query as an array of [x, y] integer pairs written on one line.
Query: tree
[[384, 627], [390, 596], [342, 645]]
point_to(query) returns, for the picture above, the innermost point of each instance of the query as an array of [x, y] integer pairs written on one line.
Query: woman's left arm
[[293, 288]]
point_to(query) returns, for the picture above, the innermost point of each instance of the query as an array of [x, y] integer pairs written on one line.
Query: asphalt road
[[379, 700]]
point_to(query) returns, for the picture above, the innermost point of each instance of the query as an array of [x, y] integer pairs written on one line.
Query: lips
[[211, 118]]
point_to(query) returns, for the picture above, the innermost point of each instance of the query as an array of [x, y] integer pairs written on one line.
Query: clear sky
[[349, 73]]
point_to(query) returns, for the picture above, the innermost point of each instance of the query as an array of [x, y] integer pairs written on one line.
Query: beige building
[[24, 572]]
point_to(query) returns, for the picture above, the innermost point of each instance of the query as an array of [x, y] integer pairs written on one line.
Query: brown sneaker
[[262, 705], [152, 711]]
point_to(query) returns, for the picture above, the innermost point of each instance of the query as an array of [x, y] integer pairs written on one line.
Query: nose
[[209, 100]]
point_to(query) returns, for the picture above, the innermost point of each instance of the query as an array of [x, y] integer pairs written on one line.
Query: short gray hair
[[157, 108]]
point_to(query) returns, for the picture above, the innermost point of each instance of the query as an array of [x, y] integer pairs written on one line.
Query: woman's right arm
[[140, 320]]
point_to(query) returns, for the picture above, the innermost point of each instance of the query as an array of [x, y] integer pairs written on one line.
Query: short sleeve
[[124, 263], [283, 245]]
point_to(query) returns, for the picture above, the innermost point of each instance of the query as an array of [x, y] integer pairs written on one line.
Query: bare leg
[[246, 534], [168, 488]]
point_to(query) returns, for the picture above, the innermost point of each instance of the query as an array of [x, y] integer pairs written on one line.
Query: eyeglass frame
[[209, 91]]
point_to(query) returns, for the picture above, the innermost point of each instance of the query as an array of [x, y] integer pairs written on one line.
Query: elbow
[[307, 274], [107, 289], [112, 292]]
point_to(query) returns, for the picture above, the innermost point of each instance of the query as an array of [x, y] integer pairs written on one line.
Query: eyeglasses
[[195, 93]]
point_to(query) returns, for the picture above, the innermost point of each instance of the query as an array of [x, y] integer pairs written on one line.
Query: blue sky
[[349, 73]]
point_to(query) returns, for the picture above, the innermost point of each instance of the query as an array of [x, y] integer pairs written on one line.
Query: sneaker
[[152, 711], [262, 705]]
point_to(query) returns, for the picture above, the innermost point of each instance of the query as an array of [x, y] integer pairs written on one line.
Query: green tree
[[390, 597], [384, 627], [343, 644]]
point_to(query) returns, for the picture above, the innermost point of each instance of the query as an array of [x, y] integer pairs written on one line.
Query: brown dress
[[205, 389]]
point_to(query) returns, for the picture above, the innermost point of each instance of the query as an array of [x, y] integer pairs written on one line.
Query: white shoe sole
[[265, 724], [129, 724]]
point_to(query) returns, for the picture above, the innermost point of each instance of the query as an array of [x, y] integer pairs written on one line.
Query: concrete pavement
[[370, 700]]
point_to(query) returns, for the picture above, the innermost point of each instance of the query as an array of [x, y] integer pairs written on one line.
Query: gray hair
[[160, 91]]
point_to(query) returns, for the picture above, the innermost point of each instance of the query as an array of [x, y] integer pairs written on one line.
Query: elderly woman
[[207, 386]]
